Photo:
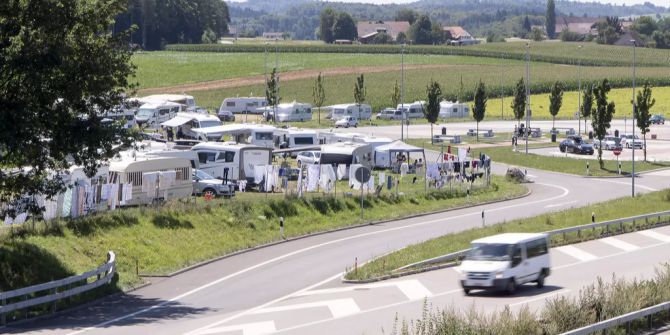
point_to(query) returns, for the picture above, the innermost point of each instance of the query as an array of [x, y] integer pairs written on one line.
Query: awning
[[176, 121]]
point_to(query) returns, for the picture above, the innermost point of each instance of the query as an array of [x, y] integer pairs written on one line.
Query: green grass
[[618, 208], [179, 234]]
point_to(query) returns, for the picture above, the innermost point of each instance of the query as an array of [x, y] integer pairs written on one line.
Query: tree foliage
[[555, 101], [519, 101], [359, 90], [326, 23], [587, 103], [551, 19], [344, 27], [643, 104], [60, 69], [432, 108], [319, 95], [421, 31], [272, 91], [479, 106], [602, 115], [395, 97], [407, 14]]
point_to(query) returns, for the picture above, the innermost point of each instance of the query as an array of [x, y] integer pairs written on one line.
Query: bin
[[616, 133], [590, 135], [653, 136], [389, 182], [553, 137], [444, 130]]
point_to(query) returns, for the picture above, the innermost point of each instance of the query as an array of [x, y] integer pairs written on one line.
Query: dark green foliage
[[406, 14], [519, 101], [344, 27], [551, 19], [432, 108], [58, 67], [318, 95], [587, 103], [327, 20], [479, 106], [602, 115], [421, 31], [382, 38], [642, 115], [272, 90], [555, 101], [395, 97], [359, 90]]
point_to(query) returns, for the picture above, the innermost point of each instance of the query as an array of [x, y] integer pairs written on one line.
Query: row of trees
[[336, 25]]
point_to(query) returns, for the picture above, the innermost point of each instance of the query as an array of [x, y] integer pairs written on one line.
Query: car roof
[[510, 238]]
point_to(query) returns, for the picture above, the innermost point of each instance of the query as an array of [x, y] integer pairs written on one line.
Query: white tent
[[385, 155]]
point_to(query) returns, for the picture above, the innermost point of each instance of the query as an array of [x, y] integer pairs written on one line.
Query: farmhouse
[[276, 35], [367, 30], [459, 36], [580, 25]]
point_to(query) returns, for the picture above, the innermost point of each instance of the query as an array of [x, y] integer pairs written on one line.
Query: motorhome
[[361, 112], [456, 109], [242, 105], [152, 114], [347, 153], [505, 261], [249, 133], [132, 171], [231, 161], [412, 110], [187, 100], [295, 138], [329, 137], [196, 126], [289, 112], [125, 116]]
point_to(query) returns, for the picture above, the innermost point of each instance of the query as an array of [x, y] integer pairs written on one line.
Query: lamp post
[[402, 90], [274, 118], [502, 94], [579, 96], [634, 111], [527, 94]]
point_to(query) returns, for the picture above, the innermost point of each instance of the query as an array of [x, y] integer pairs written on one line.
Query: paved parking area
[[657, 151]]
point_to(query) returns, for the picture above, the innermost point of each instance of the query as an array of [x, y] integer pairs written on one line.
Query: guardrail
[[619, 320], [56, 290], [454, 256]]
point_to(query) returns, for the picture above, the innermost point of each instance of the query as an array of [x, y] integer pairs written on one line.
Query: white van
[[231, 161], [456, 109], [291, 112], [154, 113], [412, 110], [243, 105], [196, 126], [361, 112], [505, 261]]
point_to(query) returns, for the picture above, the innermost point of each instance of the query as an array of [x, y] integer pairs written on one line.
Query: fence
[[54, 291], [623, 319]]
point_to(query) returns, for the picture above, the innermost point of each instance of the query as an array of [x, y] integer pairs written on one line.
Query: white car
[[609, 143], [346, 122], [628, 141], [308, 157]]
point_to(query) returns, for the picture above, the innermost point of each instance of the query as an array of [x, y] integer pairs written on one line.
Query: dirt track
[[286, 76]]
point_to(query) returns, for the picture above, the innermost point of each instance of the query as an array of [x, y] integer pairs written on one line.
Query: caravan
[[154, 113], [295, 138], [412, 110], [196, 126], [347, 153], [243, 105], [293, 112], [231, 161], [456, 109], [361, 112], [186, 100]]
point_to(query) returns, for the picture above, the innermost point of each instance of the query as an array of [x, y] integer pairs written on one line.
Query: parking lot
[[657, 150]]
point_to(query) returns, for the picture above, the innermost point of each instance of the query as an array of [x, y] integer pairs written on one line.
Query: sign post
[[617, 152]]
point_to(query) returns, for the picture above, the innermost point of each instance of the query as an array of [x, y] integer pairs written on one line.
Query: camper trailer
[[412, 110], [456, 109], [243, 105], [347, 153], [186, 100], [361, 112], [295, 138], [231, 161], [154, 113], [132, 171], [374, 142], [290, 112], [249, 133], [196, 126]]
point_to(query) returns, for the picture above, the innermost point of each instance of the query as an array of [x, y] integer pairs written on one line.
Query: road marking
[[617, 243], [627, 184], [412, 289], [559, 205], [256, 328], [338, 307], [540, 297], [576, 253], [655, 235]]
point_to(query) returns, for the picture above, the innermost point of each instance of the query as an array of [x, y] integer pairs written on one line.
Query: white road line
[[337, 307], [561, 204], [655, 235], [617, 243], [627, 184], [412, 288], [576, 253], [256, 328]]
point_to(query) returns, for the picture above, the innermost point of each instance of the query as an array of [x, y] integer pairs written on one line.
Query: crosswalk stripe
[[576, 253], [617, 243], [412, 288], [338, 307], [655, 235], [256, 328]]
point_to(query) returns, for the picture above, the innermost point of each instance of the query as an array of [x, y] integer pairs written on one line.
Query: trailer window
[[264, 136], [134, 178], [205, 157], [230, 103], [455, 110], [164, 111], [303, 140], [183, 173], [227, 157]]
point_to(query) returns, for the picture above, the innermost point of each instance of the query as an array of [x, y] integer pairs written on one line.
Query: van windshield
[[489, 252], [145, 112]]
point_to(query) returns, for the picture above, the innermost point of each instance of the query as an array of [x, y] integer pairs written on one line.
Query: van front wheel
[[511, 286], [466, 291], [540, 280]]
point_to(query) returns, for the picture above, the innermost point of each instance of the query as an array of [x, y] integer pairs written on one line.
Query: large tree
[[432, 108], [272, 92], [344, 27], [60, 69], [359, 93], [519, 101], [395, 96], [319, 95], [602, 115], [406, 14], [555, 101], [421, 31], [642, 115], [551, 19], [326, 22], [587, 104], [479, 106]]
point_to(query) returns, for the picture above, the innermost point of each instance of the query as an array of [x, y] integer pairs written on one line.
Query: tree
[[551, 19], [319, 95], [60, 70], [479, 107], [395, 97], [359, 93], [208, 37], [406, 15], [587, 103], [519, 101], [421, 31], [645, 25], [602, 115], [432, 108], [326, 22], [344, 27], [555, 101], [437, 33], [382, 38], [401, 38], [526, 25], [642, 113], [272, 92], [537, 34]]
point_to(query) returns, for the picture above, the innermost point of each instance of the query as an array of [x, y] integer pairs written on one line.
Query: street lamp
[[579, 97], [402, 90], [634, 111], [527, 94], [246, 115]]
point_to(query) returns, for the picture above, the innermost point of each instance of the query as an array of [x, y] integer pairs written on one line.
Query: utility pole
[[402, 90], [634, 111], [528, 131], [579, 97], [502, 93]]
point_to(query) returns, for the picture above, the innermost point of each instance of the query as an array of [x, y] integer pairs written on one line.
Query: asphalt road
[[224, 292]]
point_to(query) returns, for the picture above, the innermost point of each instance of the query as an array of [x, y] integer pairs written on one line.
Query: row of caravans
[[448, 110], [291, 112]]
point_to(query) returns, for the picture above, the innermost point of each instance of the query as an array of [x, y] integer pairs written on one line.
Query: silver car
[[203, 183], [308, 157]]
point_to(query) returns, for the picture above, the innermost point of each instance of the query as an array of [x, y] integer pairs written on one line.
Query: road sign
[[616, 151], [362, 174]]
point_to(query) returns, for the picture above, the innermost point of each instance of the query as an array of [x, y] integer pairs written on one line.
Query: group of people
[[169, 132]]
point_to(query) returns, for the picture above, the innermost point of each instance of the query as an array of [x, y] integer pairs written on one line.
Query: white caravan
[[231, 161], [412, 110], [290, 112], [243, 105], [187, 100], [456, 109], [347, 153], [131, 171], [196, 126], [249, 133], [154, 113], [505, 261], [362, 112], [295, 138]]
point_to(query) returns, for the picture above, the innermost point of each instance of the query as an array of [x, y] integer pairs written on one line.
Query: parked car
[[609, 143], [628, 141], [389, 114], [575, 145], [308, 157], [346, 122], [226, 116], [203, 183], [657, 119]]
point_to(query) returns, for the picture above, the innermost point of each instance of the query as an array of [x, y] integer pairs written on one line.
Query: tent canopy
[[176, 121], [398, 146]]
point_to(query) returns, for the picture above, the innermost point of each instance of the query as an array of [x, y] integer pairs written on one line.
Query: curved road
[[200, 300]]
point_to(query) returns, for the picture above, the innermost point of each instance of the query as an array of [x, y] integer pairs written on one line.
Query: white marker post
[[483, 219], [281, 227]]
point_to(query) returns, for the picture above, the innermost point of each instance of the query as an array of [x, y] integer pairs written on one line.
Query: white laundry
[[9, 220], [342, 172], [327, 179], [382, 177], [50, 209], [149, 181], [353, 183], [300, 183], [404, 168], [67, 202], [432, 171], [259, 173], [113, 196], [371, 183], [462, 154], [21, 218], [313, 173]]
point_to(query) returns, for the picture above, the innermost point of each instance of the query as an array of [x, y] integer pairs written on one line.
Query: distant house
[[367, 30], [580, 25], [459, 36], [276, 35]]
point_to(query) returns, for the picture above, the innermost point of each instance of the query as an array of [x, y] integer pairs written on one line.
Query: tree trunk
[[431, 133], [600, 154], [644, 136], [553, 123], [477, 131], [319, 116]]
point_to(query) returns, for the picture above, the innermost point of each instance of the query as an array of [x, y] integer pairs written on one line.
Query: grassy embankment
[[180, 234], [613, 209]]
